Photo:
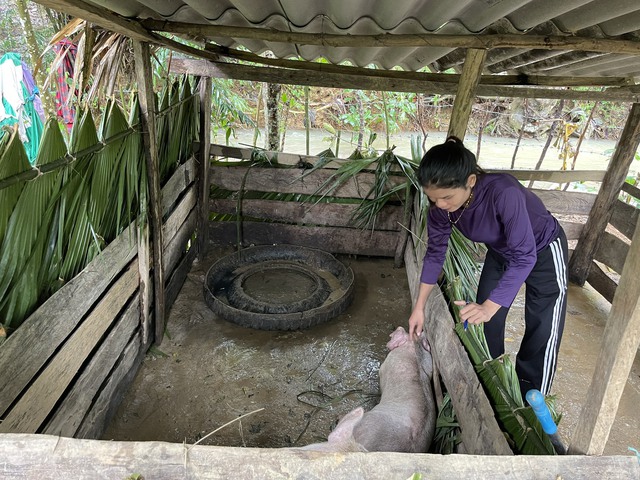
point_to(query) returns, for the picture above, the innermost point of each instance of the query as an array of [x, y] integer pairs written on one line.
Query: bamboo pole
[[144, 76]]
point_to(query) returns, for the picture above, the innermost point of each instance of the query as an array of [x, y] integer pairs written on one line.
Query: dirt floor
[[294, 386]]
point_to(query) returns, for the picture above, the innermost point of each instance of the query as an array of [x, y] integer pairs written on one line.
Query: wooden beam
[[291, 180], [465, 96], [591, 235], [144, 76], [204, 161], [350, 241], [48, 457], [343, 80], [617, 353], [601, 282], [534, 79], [479, 430], [321, 214], [482, 42], [631, 190], [109, 20]]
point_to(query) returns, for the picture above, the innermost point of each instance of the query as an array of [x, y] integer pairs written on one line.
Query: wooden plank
[[405, 225], [624, 218], [144, 75], [326, 214], [466, 92], [602, 282], [617, 353], [612, 251], [291, 180], [555, 176], [179, 215], [29, 348], [179, 276], [119, 381], [178, 245], [204, 161], [281, 158], [528, 79], [69, 415], [551, 176], [571, 229], [607, 197], [184, 176], [48, 457], [566, 203], [372, 82], [478, 427], [335, 240], [44, 393], [631, 190], [146, 284]]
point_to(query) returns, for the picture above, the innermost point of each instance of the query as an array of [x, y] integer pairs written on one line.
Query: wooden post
[[618, 351], [602, 209], [473, 65], [203, 170], [144, 251], [148, 120]]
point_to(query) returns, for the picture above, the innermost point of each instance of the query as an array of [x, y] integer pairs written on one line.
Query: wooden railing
[[65, 370]]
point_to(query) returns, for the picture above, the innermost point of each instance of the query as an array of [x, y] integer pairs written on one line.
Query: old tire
[[229, 273]]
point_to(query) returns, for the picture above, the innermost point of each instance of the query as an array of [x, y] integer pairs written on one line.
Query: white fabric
[[11, 91]]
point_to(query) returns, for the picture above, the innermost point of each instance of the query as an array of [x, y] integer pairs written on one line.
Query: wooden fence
[[328, 225], [67, 367]]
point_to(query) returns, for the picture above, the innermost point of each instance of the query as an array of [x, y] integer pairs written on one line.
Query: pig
[[404, 419]]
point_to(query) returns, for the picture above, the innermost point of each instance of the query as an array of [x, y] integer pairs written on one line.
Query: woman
[[525, 244]]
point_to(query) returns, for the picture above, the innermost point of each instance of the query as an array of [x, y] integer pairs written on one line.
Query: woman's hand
[[416, 323], [477, 313]]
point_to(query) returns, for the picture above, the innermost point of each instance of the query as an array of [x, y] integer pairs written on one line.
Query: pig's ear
[[344, 429], [398, 337]]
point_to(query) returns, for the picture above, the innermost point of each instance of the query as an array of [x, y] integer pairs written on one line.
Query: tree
[[34, 52]]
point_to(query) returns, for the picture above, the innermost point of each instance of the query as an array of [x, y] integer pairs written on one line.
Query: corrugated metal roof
[[592, 19]]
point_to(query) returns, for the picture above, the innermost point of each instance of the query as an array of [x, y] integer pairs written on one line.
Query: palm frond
[[27, 239], [13, 160]]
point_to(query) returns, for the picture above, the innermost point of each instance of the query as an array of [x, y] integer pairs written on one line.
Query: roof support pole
[[203, 168], [618, 351], [465, 96], [602, 209], [144, 77]]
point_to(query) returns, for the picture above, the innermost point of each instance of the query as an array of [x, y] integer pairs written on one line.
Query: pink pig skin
[[404, 419]]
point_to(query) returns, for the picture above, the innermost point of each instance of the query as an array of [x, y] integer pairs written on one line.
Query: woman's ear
[[471, 181]]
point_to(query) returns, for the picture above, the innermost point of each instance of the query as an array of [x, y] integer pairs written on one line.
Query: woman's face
[[450, 199]]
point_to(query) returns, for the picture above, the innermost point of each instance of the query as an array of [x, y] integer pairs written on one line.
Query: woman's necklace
[[464, 209]]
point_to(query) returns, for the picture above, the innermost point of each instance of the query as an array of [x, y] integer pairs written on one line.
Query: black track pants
[[545, 309]]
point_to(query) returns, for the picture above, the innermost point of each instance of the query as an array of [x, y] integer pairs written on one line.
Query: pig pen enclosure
[[68, 367]]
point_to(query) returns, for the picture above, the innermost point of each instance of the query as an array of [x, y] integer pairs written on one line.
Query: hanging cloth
[[19, 98], [68, 50]]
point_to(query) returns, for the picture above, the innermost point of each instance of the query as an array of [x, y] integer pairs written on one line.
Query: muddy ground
[[296, 385]]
